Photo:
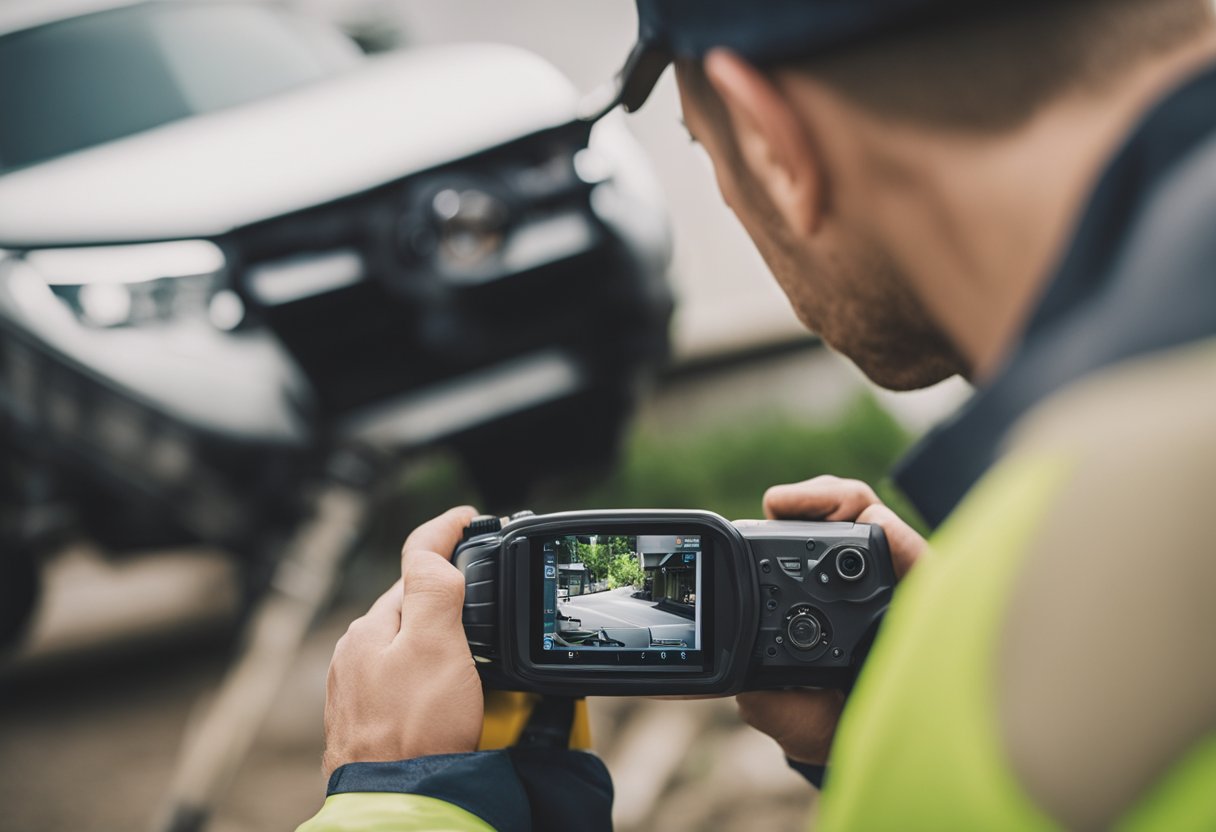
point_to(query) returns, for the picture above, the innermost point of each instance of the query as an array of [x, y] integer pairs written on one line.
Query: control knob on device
[[482, 524], [804, 630]]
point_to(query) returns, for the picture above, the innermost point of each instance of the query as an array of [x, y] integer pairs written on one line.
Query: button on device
[[804, 630], [850, 563], [790, 564], [771, 604], [766, 566], [807, 628]]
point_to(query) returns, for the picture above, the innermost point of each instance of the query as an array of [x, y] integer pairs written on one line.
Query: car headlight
[[470, 225], [147, 283], [472, 229]]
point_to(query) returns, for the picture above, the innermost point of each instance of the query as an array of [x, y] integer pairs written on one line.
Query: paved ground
[[617, 609]]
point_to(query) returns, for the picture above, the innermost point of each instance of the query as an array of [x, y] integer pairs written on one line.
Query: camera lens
[[804, 631], [850, 564]]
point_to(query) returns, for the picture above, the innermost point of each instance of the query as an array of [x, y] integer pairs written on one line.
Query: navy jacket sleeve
[[513, 789]]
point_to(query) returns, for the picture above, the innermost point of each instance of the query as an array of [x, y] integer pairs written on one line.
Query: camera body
[[656, 602]]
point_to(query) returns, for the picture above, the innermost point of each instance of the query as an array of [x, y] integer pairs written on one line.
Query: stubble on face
[[848, 292], [840, 284]]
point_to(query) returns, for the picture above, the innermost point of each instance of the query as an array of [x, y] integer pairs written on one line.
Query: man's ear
[[772, 142]]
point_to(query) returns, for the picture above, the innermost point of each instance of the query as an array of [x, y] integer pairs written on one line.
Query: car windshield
[[75, 83]]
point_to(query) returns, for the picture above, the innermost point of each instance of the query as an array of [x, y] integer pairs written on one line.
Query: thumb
[[905, 543], [433, 595], [441, 534], [433, 589]]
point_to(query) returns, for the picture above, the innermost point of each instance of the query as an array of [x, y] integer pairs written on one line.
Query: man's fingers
[[427, 581], [831, 498], [776, 712], [821, 498], [433, 594], [802, 722], [905, 543], [378, 626], [440, 535], [433, 589], [385, 613]]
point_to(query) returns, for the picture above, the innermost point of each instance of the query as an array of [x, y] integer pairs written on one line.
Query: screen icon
[[548, 644]]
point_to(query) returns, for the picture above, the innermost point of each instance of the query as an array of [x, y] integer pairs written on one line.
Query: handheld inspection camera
[[653, 602]]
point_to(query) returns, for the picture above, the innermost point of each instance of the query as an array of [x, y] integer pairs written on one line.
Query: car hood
[[206, 175]]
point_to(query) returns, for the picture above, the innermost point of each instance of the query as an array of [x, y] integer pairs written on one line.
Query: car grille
[[360, 295]]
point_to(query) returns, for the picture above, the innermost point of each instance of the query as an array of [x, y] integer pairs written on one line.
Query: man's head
[[836, 163], [841, 283]]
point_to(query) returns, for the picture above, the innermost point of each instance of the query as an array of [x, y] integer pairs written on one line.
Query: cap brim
[[633, 84]]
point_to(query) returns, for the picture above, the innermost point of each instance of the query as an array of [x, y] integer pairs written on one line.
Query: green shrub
[[728, 469]]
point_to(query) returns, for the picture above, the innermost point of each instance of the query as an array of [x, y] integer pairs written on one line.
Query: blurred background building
[[179, 421]]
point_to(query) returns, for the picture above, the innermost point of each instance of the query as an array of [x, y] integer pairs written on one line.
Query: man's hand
[[833, 499], [402, 683], [803, 722]]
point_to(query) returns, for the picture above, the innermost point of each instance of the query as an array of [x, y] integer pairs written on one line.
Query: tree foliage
[[624, 570], [611, 558], [597, 559]]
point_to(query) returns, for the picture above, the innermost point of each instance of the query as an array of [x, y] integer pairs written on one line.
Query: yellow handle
[[507, 713]]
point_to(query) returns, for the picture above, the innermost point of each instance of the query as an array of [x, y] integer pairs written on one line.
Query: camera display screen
[[619, 599]]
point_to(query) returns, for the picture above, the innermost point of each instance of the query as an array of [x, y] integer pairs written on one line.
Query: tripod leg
[[303, 582]]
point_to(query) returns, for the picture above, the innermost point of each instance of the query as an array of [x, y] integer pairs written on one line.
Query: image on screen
[[633, 595]]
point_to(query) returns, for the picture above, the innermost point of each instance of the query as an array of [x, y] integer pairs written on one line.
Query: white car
[[230, 242]]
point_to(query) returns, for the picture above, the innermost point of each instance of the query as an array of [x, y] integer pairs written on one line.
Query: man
[[1025, 194]]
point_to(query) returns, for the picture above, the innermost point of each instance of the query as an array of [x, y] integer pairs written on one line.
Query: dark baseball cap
[[761, 31]]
